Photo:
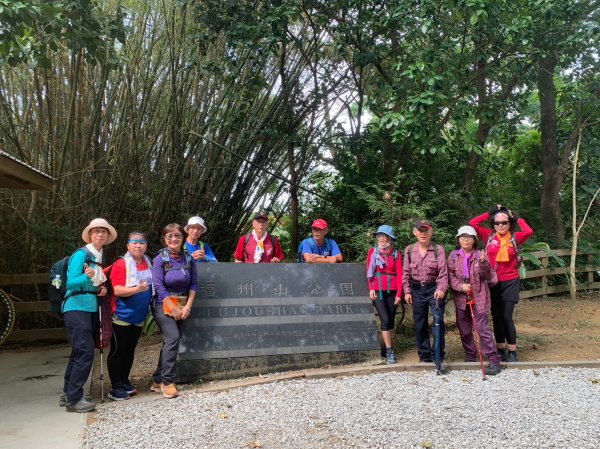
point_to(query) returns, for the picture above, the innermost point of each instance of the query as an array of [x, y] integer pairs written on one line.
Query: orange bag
[[171, 303]]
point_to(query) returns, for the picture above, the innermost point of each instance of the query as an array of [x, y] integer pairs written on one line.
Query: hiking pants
[[505, 296], [123, 341], [385, 308], [81, 328], [423, 300], [171, 334], [464, 322]]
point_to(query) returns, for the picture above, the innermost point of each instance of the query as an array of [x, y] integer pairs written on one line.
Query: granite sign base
[[191, 371], [249, 319]]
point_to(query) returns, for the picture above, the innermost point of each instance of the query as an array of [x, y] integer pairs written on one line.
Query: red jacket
[[507, 271], [392, 271]]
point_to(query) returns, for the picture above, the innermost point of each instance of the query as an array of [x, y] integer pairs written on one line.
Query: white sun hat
[[195, 221], [469, 230]]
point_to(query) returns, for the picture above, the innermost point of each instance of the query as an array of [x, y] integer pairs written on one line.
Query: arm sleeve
[[482, 232], [485, 269], [118, 273], [239, 250], [525, 233], [210, 256], [193, 276], [399, 275], [77, 280], [442, 277], [278, 252], [406, 272], [306, 247], [158, 278], [335, 249], [453, 278]]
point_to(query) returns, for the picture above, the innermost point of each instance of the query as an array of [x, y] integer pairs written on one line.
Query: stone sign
[[257, 318]]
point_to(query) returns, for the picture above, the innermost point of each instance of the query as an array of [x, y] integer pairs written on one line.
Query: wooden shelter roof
[[15, 174]]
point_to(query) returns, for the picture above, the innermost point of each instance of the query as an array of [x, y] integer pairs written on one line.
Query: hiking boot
[[118, 394], [130, 389], [156, 387], [169, 391], [503, 354], [390, 357], [443, 368], [62, 402], [492, 370], [81, 406], [512, 356]]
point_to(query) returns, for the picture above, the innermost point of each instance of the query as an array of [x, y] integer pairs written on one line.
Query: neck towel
[[505, 243], [99, 278], [260, 246]]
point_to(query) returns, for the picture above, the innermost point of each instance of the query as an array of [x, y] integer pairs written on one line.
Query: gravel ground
[[544, 408]]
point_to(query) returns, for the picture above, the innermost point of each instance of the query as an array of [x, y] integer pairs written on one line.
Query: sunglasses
[[500, 223]]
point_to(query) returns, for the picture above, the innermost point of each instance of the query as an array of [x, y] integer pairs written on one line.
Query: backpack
[[513, 240], [57, 285], [164, 255], [313, 249], [247, 239]]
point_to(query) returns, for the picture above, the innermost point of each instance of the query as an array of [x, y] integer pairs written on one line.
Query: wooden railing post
[[545, 276]]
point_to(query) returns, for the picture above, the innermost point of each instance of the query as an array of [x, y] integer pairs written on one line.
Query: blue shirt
[[210, 256], [309, 246]]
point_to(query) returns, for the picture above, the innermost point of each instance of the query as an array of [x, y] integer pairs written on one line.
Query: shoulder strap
[[436, 250], [246, 240], [272, 241], [328, 245], [513, 240], [410, 250], [489, 240]]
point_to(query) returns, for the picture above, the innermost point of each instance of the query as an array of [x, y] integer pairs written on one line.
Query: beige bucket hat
[[99, 223]]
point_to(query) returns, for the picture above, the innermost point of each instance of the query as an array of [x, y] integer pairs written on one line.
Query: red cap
[[423, 224], [319, 223]]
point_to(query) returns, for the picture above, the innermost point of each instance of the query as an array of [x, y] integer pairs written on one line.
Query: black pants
[[81, 327], [123, 341], [505, 296], [423, 300], [384, 303]]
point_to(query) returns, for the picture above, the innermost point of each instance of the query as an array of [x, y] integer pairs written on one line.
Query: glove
[[495, 209], [513, 215]]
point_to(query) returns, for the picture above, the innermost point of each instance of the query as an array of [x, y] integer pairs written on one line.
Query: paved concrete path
[[30, 417]]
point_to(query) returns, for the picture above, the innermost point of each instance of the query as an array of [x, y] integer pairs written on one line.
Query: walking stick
[[471, 303], [436, 335], [101, 354]]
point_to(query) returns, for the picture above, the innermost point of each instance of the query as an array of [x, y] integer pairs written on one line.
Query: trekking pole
[[471, 303], [436, 335], [101, 353]]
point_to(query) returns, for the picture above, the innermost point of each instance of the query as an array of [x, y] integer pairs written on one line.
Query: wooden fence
[[560, 285]]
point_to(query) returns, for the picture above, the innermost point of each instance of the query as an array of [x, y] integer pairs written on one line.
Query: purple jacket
[[177, 280], [480, 273]]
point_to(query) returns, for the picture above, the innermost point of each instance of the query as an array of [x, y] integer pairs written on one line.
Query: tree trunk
[[552, 171]]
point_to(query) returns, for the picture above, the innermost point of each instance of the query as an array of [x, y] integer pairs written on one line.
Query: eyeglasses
[[466, 236], [500, 223], [173, 236], [317, 229]]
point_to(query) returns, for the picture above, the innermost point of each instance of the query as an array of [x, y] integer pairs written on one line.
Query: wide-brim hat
[[195, 221], [99, 223], [468, 230], [387, 230]]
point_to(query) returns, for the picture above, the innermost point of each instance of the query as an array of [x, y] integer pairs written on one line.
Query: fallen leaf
[[427, 444], [223, 416], [254, 444]]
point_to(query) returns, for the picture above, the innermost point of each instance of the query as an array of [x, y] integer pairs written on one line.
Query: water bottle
[[56, 282]]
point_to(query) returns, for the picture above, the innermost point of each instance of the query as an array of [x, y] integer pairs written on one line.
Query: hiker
[[85, 283], [318, 248], [384, 275], [469, 270], [174, 280], [200, 251], [502, 247], [259, 246], [131, 279], [425, 281]]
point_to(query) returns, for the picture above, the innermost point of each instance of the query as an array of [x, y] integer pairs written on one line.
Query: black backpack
[[57, 286]]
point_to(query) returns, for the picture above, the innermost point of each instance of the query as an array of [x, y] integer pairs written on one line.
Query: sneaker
[[130, 389], [492, 370], [169, 391], [156, 387], [390, 357], [512, 356], [503, 354], [81, 406], [443, 368], [62, 402], [118, 394], [425, 361]]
